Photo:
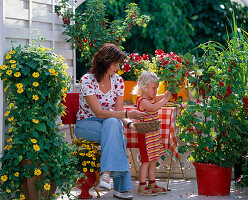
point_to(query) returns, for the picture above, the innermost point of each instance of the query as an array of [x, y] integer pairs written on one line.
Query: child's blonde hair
[[145, 78]]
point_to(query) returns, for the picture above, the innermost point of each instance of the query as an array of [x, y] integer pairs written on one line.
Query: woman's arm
[[119, 112]]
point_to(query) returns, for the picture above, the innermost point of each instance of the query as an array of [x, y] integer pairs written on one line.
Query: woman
[[101, 116]]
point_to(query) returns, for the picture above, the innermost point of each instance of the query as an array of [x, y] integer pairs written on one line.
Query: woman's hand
[[135, 114]]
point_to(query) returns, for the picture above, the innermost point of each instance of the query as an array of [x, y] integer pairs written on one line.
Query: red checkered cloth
[[168, 129]]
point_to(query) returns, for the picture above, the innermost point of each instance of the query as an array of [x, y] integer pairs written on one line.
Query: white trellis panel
[[24, 21]]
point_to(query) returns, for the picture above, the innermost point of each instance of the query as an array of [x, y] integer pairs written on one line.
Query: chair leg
[[136, 171], [169, 172], [96, 184], [181, 167]]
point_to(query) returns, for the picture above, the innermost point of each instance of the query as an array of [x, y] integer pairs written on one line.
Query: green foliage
[[91, 27], [213, 127], [35, 81], [169, 28]]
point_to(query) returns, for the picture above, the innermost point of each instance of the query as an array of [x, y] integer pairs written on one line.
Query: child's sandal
[[146, 191], [159, 190]]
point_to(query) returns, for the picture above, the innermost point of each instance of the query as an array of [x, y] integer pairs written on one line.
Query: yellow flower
[[62, 57], [37, 172], [11, 105], [64, 89], [11, 52], [9, 147], [13, 66], [22, 197], [52, 71], [10, 119], [5, 147], [11, 129], [19, 85], [34, 141], [35, 74], [16, 174], [35, 84], [5, 89], [35, 121], [9, 140], [20, 90], [36, 147], [120, 72], [4, 178], [17, 74], [8, 190], [85, 169], [3, 67], [35, 97], [56, 74], [55, 196], [47, 186], [91, 170], [12, 61], [9, 72], [7, 113], [7, 56]]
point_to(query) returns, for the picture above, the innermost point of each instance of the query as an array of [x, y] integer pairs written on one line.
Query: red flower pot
[[213, 180], [85, 184]]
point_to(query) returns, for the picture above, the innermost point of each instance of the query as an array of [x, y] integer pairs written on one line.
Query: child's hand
[[131, 126]]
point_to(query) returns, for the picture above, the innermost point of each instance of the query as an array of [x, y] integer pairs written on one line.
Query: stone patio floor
[[179, 190]]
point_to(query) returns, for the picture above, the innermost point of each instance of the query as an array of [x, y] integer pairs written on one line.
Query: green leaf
[[25, 70], [20, 157], [40, 127], [35, 134], [32, 64]]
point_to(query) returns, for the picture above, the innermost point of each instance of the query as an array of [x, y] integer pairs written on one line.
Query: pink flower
[[159, 52], [145, 57], [137, 58]]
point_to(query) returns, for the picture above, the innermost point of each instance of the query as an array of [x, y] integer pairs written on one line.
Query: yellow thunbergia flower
[[5, 147], [13, 66], [37, 172], [9, 147], [120, 72], [17, 74], [34, 141], [85, 169], [19, 85], [36, 147], [64, 89], [11, 52], [11, 129], [55, 196], [35, 97], [3, 67], [16, 174], [7, 113], [10, 119], [47, 186], [98, 165], [9, 140], [20, 90], [8, 190], [35, 74], [7, 56], [35, 121], [22, 197], [35, 84], [52, 71], [11, 105], [12, 61], [56, 74], [9, 72], [91, 170], [4, 178]]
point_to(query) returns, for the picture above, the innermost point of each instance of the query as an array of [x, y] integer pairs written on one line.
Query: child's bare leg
[[143, 171], [152, 170]]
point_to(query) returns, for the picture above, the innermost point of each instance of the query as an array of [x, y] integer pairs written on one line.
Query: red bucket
[[213, 180]]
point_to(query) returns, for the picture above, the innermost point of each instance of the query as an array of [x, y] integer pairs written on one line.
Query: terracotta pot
[[29, 186], [86, 184], [183, 94], [213, 180], [129, 85]]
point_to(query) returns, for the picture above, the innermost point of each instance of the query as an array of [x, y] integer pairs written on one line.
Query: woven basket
[[146, 127]]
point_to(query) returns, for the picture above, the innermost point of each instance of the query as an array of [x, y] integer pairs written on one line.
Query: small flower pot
[[85, 184], [213, 180], [129, 85]]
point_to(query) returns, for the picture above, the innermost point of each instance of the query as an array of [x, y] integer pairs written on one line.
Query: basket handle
[[150, 116]]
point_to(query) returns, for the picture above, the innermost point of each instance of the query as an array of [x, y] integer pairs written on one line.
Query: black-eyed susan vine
[[35, 82]]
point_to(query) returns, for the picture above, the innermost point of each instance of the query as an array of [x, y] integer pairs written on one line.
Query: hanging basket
[[146, 127]]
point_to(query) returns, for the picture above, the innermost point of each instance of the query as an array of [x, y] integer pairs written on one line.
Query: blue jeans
[[109, 134]]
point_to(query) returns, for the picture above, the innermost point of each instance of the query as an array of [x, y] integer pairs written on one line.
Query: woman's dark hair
[[104, 57]]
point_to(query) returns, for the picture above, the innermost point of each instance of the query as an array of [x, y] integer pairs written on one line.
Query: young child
[[150, 144]]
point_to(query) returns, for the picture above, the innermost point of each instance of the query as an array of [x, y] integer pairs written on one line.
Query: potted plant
[[88, 156], [36, 159], [210, 124]]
